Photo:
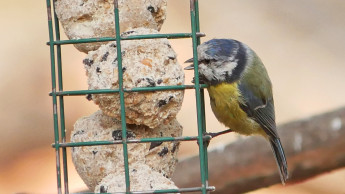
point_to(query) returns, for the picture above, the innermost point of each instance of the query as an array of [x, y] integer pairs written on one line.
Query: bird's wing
[[259, 105]]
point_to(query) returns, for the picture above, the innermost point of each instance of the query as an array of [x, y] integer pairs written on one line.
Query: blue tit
[[240, 92]]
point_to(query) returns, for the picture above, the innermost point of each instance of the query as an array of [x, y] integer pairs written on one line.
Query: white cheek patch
[[206, 72], [221, 71]]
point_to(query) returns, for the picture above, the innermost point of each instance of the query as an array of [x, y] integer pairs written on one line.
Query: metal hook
[[116, 4], [192, 5]]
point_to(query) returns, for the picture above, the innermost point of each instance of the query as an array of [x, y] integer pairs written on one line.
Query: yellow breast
[[225, 105]]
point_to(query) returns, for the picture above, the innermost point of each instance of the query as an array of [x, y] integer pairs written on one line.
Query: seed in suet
[[89, 97], [102, 189], [151, 82], [151, 9], [88, 62], [98, 70], [117, 135], [105, 56], [163, 152], [161, 103], [155, 144]]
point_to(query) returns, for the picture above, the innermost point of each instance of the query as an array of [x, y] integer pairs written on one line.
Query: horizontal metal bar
[[180, 190], [140, 89], [133, 37], [144, 140]]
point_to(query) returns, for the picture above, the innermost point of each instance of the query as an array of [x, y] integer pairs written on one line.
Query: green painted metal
[[55, 114], [180, 190], [122, 98], [193, 6], [61, 103], [143, 140], [141, 89], [202, 95], [133, 37], [61, 145]]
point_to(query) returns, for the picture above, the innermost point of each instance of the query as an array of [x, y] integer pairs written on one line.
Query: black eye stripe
[[207, 61]]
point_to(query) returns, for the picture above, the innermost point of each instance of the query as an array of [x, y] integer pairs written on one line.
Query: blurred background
[[301, 43]]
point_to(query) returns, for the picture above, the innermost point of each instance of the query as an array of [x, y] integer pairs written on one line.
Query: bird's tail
[[280, 158]]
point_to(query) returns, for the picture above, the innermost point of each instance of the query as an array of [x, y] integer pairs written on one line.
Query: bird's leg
[[219, 133]]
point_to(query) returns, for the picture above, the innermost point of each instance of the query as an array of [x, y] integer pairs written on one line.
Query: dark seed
[[151, 82], [139, 80], [94, 152], [98, 70], [159, 81], [89, 97], [163, 152], [151, 9], [79, 133], [174, 147], [127, 32], [124, 69], [161, 103], [88, 62], [112, 45], [102, 189], [155, 144], [172, 57], [105, 56], [117, 135]]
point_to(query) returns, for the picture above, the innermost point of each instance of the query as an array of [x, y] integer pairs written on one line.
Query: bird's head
[[220, 60]]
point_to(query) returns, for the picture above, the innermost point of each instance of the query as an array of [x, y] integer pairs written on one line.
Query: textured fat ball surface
[[94, 18], [145, 63], [94, 163], [142, 177]]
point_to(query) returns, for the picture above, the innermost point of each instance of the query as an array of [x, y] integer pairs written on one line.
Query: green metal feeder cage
[[58, 95]]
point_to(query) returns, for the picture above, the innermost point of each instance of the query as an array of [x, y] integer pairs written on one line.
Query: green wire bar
[[141, 89], [132, 37], [180, 190], [58, 95], [200, 114], [122, 98], [61, 103], [143, 140], [54, 97]]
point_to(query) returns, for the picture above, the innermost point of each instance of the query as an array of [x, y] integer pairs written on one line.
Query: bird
[[240, 92]]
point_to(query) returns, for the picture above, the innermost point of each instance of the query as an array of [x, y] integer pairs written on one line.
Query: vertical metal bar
[[121, 92], [55, 114], [198, 96], [202, 93], [61, 101]]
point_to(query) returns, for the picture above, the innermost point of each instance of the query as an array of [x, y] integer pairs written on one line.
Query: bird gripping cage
[[58, 95]]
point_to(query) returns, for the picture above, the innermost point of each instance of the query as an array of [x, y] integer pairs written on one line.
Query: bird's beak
[[190, 67]]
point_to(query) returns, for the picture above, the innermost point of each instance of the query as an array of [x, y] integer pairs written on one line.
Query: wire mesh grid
[[58, 95]]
